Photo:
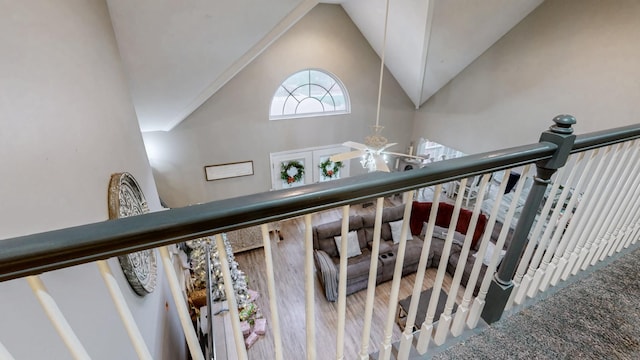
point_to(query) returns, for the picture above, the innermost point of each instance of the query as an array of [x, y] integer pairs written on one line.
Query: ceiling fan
[[374, 149]]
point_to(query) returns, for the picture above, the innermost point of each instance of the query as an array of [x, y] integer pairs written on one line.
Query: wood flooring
[[288, 258]]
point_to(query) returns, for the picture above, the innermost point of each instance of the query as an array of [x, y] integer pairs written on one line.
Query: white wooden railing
[[590, 213]]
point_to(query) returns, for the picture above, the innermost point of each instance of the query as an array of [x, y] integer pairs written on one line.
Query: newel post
[[560, 134]]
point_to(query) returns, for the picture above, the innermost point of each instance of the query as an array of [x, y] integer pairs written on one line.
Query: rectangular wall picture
[[229, 170]]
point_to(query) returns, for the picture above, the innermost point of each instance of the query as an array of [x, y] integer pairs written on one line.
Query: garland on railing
[[284, 171], [252, 322], [199, 266], [329, 168]]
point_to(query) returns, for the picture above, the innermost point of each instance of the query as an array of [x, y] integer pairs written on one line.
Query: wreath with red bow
[[329, 168], [284, 171]]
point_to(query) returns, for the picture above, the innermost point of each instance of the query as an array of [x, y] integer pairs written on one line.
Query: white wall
[[573, 56], [66, 124], [233, 124]]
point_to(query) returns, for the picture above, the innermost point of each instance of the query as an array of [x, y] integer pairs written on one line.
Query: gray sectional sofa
[[327, 257]]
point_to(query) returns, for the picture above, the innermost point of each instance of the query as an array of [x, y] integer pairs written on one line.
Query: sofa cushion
[[353, 247], [488, 254], [385, 233], [436, 249], [468, 268], [357, 266], [388, 214], [323, 235], [396, 231], [442, 232]]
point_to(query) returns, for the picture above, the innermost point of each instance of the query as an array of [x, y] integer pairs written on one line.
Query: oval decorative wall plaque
[[126, 199]]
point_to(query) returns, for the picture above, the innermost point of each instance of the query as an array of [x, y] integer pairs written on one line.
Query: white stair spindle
[[232, 303], [619, 181], [309, 289], [273, 296], [557, 224], [444, 323], [123, 310], [462, 312], [520, 285], [406, 340], [4, 353], [605, 189], [342, 284], [385, 348], [559, 259], [371, 287], [476, 310], [583, 213], [623, 209], [543, 241], [57, 318], [425, 337], [181, 305]]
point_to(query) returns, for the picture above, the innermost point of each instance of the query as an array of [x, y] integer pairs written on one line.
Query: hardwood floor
[[288, 258]]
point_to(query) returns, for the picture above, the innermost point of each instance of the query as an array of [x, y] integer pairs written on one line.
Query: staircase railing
[[570, 221]]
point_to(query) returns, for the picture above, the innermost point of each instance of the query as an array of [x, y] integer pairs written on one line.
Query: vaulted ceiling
[[178, 53]]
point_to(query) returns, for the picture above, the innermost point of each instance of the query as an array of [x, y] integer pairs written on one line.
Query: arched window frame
[[279, 109]]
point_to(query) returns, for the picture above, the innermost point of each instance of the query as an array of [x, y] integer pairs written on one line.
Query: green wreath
[[327, 170], [284, 171]]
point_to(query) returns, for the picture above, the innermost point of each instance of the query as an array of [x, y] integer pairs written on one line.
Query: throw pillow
[[440, 232], [488, 254], [353, 247], [396, 231]]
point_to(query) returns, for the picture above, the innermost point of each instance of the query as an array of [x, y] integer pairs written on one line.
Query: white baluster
[[4, 353], [371, 287], [462, 312], [603, 206], [583, 214], [406, 339], [614, 203], [181, 305], [342, 284], [624, 208], [593, 212], [309, 289], [230, 293], [425, 337], [476, 310], [123, 310], [558, 225], [543, 241], [273, 298], [561, 256], [444, 323], [385, 348], [520, 283], [57, 318]]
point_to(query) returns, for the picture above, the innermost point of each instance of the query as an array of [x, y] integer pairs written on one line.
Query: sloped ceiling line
[[425, 49], [285, 24]]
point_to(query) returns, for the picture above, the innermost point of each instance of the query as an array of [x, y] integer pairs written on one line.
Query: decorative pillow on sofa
[[353, 247], [441, 232], [396, 231], [488, 254]]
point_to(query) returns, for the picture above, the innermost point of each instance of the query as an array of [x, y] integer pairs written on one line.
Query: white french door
[[286, 166]]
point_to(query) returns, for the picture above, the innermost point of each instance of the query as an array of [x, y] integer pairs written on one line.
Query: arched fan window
[[310, 92]]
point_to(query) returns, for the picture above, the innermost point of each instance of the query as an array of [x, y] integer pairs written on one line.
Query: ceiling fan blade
[[347, 155], [381, 165], [404, 155], [355, 145], [387, 146]]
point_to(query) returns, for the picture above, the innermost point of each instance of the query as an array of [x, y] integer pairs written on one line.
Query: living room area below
[[289, 261]]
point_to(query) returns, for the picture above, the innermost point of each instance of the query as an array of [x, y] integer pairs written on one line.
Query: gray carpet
[[597, 317]]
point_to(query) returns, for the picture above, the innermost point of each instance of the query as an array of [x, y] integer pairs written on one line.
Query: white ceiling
[[179, 53]]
